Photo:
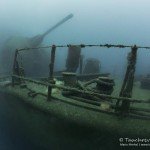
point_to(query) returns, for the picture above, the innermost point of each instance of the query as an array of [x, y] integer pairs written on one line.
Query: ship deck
[[94, 116]]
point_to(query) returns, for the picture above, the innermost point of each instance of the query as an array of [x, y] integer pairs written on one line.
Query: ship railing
[[125, 95], [87, 45], [102, 97], [132, 100]]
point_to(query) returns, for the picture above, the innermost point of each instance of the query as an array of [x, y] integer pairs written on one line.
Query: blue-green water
[[22, 127]]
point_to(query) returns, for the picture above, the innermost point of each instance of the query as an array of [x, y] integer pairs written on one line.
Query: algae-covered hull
[[81, 113]]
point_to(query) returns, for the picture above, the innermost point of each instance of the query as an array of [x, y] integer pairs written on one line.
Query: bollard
[[70, 79]]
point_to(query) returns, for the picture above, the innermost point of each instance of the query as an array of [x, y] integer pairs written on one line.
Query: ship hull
[[83, 114]]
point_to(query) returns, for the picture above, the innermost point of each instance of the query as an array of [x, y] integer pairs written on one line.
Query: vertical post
[[81, 63], [51, 73], [15, 67], [127, 86]]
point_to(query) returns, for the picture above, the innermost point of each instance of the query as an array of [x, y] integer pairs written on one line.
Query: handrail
[[82, 91], [124, 98], [88, 45]]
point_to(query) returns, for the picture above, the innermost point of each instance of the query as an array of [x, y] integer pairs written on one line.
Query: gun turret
[[38, 39]]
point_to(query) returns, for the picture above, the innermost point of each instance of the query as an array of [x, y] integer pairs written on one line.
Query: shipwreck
[[85, 99]]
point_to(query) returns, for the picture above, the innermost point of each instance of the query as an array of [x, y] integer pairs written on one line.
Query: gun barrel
[[58, 24]]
